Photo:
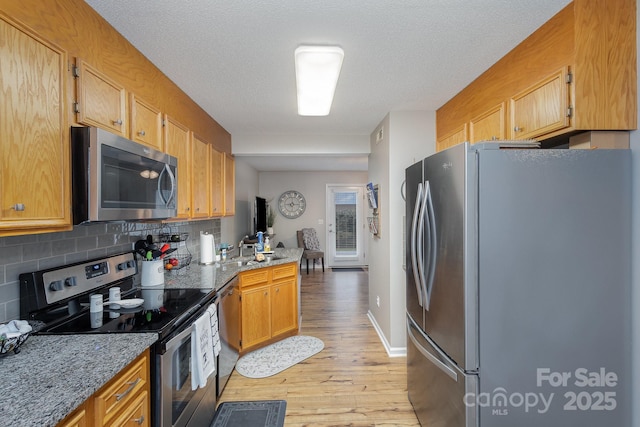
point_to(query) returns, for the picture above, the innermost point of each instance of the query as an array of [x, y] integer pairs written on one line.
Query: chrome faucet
[[241, 245]]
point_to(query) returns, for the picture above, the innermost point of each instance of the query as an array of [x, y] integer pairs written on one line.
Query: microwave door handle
[[173, 185], [414, 243]]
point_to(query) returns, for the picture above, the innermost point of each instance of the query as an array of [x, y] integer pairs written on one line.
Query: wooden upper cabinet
[[146, 123], [101, 102], [177, 143], [200, 178], [454, 138], [34, 135], [542, 108], [488, 126], [229, 185], [217, 183], [592, 39]]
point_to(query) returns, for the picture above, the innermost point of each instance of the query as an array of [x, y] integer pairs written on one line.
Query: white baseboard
[[391, 351]]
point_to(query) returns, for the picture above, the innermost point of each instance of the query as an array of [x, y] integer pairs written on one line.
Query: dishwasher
[[229, 329]]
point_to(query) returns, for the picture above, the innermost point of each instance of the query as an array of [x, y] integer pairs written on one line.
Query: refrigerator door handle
[[432, 243], [420, 252], [416, 246], [433, 359]]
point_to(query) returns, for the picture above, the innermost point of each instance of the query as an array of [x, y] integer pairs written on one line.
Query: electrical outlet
[[378, 301]]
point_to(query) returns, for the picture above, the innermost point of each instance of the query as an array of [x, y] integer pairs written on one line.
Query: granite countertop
[[215, 277], [53, 374]]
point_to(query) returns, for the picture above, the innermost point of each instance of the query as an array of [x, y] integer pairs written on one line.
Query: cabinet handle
[[118, 122], [18, 207], [266, 293], [517, 129], [188, 209], [142, 133], [138, 420], [127, 391]]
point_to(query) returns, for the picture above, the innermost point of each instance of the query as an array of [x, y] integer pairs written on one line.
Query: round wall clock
[[291, 204]]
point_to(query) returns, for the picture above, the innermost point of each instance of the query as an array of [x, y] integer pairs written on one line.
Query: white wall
[[312, 185], [235, 227], [408, 136]]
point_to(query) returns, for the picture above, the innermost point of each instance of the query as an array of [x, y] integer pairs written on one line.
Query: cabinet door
[[284, 316], [541, 108], [199, 178], [256, 316], [456, 137], [101, 101], [113, 400], [177, 143], [229, 185], [217, 182], [488, 126], [135, 414], [34, 135], [146, 123]]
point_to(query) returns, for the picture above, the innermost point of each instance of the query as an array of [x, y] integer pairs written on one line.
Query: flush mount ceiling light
[[317, 71]]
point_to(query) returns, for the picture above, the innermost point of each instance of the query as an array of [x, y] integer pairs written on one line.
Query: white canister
[[152, 273], [95, 303]]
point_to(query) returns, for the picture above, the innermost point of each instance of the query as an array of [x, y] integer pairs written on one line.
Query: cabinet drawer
[[282, 271], [135, 414], [112, 399], [254, 277]]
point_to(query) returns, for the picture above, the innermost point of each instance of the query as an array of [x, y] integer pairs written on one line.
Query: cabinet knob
[[266, 293], [517, 129], [142, 133], [188, 209], [18, 207], [118, 122], [138, 420]]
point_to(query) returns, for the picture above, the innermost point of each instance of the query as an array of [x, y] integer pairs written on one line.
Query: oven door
[[176, 404]]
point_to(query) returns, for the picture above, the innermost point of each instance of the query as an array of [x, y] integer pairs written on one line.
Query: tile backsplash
[[21, 254]]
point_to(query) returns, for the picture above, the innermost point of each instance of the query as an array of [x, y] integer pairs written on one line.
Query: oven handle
[[174, 342]]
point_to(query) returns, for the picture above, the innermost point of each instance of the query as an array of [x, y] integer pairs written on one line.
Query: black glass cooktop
[[161, 310]]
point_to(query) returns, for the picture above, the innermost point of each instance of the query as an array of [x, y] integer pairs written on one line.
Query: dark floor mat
[[257, 413]]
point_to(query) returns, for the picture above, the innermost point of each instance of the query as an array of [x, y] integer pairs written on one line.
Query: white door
[[345, 226]]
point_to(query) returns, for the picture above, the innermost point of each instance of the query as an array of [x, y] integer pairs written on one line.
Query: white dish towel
[[203, 362]]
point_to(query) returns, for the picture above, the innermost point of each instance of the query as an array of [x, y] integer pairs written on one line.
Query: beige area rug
[[278, 356]]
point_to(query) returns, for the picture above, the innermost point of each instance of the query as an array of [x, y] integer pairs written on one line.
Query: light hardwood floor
[[352, 381]]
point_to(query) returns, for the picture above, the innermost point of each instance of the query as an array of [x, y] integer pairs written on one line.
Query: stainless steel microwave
[[115, 179]]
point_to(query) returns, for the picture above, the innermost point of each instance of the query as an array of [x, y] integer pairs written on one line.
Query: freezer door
[[451, 268], [414, 260], [441, 394]]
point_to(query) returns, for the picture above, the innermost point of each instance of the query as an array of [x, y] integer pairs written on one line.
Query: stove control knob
[[122, 266], [131, 264], [70, 281], [57, 285]]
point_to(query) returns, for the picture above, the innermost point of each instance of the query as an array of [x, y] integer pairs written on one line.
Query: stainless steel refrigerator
[[518, 287]]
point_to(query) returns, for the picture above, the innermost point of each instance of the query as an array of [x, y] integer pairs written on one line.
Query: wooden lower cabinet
[[79, 418], [123, 401], [268, 305]]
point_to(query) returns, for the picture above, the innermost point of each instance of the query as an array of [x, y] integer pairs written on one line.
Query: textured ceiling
[[235, 57]]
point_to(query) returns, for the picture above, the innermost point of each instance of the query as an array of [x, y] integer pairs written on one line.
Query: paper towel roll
[[207, 253]]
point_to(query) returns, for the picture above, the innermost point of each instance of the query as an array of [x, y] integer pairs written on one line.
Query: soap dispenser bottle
[[260, 244]]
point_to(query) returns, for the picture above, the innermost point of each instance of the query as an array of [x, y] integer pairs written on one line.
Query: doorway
[[345, 226]]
